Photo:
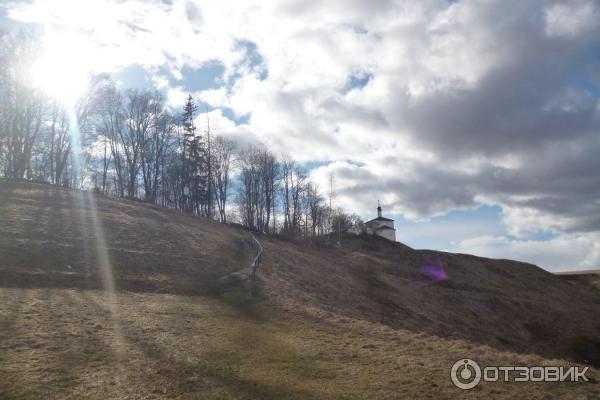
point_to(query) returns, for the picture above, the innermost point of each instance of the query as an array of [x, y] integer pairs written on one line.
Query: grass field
[[356, 322], [85, 344]]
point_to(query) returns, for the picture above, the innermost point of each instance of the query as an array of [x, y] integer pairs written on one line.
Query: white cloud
[[467, 103], [571, 18], [569, 252]]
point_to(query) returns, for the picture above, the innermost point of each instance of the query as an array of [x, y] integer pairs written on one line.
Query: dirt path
[[256, 261]]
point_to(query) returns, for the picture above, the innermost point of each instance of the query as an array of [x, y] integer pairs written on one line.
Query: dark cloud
[[538, 103]]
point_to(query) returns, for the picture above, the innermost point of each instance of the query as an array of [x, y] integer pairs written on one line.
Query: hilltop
[[590, 277], [370, 318]]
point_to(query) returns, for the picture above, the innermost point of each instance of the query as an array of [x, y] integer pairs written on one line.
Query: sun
[[62, 68]]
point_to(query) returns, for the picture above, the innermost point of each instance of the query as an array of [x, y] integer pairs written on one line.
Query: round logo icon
[[465, 374]]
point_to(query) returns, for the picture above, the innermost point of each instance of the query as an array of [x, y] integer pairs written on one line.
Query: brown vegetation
[[502, 303], [361, 321]]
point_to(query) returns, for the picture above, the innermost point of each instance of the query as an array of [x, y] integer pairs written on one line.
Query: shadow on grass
[[50, 349], [242, 338]]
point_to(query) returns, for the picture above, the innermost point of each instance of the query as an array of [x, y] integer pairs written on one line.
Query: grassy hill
[[590, 277], [55, 237], [102, 298], [505, 304]]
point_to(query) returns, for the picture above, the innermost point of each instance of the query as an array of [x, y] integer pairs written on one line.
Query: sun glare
[[61, 69]]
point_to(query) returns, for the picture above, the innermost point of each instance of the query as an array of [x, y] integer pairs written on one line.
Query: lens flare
[[435, 271], [89, 214]]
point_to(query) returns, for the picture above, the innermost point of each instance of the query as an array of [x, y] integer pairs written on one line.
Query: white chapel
[[381, 226]]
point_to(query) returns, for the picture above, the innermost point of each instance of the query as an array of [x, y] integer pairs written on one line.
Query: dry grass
[[47, 237], [504, 304], [63, 344], [351, 323]]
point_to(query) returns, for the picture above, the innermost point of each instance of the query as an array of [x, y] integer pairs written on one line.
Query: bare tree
[[106, 162], [313, 207], [138, 108], [60, 143], [268, 169], [256, 194], [210, 194], [293, 184], [5, 93], [111, 116], [222, 158], [24, 109], [155, 141]]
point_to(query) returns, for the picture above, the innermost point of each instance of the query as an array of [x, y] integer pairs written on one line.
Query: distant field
[[83, 344], [582, 272], [590, 276]]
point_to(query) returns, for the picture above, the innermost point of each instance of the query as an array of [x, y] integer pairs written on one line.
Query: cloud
[[454, 105], [567, 253], [571, 18]]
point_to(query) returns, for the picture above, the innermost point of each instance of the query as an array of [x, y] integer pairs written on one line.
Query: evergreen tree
[[195, 164], [189, 139]]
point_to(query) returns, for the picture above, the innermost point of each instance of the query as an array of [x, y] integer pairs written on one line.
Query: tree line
[[130, 144]]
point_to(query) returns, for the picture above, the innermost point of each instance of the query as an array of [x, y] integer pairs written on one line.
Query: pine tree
[[189, 147], [196, 170], [187, 119]]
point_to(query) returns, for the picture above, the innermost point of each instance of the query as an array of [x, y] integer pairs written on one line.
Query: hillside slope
[[56, 237], [501, 303], [590, 277], [370, 319], [50, 237]]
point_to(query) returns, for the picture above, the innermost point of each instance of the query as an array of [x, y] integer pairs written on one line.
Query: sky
[[475, 123]]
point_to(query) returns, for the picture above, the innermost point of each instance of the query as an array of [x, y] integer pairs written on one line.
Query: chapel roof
[[380, 219]]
